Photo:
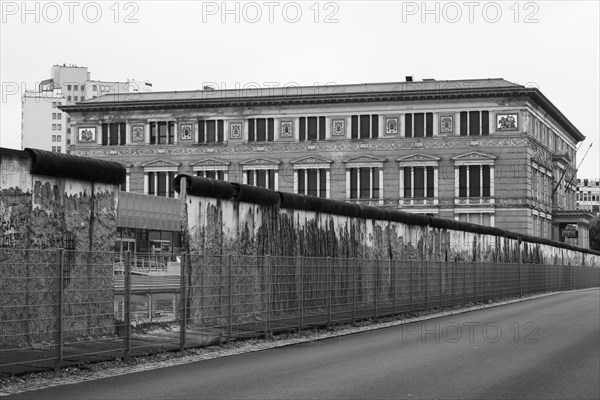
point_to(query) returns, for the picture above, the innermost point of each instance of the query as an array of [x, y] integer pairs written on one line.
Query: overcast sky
[[183, 45]]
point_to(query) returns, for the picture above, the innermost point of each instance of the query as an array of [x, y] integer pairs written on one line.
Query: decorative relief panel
[[446, 124], [392, 126], [235, 130], [287, 129], [137, 133], [507, 122], [338, 127], [187, 132], [87, 134]]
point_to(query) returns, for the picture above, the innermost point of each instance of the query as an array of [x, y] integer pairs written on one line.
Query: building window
[[218, 175], [68, 98], [311, 128], [479, 218], [68, 87], [58, 116], [365, 126], [53, 127], [364, 183], [162, 132], [264, 178], [58, 138], [474, 123], [76, 98], [261, 129], [474, 181], [211, 131], [53, 115], [418, 125], [54, 138], [58, 127], [113, 134], [94, 88], [419, 182], [53, 104], [161, 183], [56, 149], [312, 182], [68, 130]]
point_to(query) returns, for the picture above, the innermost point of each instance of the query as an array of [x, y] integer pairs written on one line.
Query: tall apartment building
[[588, 195], [43, 125], [485, 151]]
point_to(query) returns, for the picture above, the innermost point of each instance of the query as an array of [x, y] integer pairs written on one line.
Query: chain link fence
[[60, 308]]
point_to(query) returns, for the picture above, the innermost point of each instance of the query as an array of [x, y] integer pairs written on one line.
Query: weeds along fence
[[59, 308]]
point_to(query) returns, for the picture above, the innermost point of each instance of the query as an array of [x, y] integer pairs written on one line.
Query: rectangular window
[[95, 88], [58, 116], [364, 183], [54, 138], [418, 182], [408, 182], [58, 138], [264, 178], [312, 182], [68, 87], [218, 175], [365, 126], [474, 184], [408, 125], [261, 129], [474, 123], [418, 125], [162, 132], [113, 134], [462, 179], [68, 98], [311, 128], [211, 131], [53, 104], [160, 184], [474, 181]]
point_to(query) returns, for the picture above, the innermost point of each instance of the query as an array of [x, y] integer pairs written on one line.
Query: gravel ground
[[86, 372]]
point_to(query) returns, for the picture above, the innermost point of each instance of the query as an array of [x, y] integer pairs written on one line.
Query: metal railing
[[59, 308]]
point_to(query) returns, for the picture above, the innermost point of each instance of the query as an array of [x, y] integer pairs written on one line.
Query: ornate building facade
[[486, 151]]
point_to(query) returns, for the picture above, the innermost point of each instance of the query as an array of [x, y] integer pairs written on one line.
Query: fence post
[[393, 269], [60, 258], [229, 297], [426, 285], [376, 287], [453, 287], [354, 263], [301, 293], [330, 289], [520, 269], [127, 306], [411, 286], [268, 295], [464, 282], [185, 259], [474, 282], [441, 278]]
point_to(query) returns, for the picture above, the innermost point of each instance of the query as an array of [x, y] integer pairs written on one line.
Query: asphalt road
[[546, 348]]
